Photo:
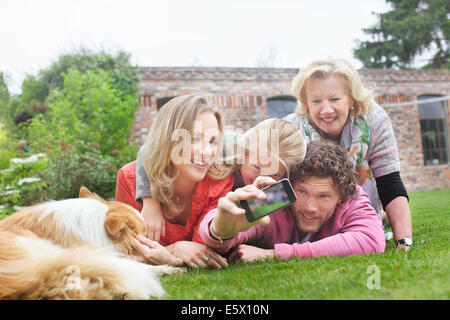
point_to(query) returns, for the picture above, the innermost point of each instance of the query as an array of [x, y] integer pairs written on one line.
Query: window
[[145, 100], [280, 106], [162, 101], [433, 127]]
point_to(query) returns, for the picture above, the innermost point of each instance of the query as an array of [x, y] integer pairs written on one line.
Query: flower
[[94, 145], [64, 146], [31, 159], [115, 152], [10, 192], [28, 180]]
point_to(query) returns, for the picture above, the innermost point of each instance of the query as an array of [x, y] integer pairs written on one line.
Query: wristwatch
[[405, 241]]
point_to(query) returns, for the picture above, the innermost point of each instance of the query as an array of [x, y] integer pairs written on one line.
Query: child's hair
[[326, 159], [177, 115], [362, 97], [277, 137]]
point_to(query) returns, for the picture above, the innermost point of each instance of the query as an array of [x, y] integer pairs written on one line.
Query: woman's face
[[328, 103], [195, 163]]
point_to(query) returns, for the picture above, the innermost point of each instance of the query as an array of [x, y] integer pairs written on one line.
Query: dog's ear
[[86, 193], [116, 225], [122, 224]]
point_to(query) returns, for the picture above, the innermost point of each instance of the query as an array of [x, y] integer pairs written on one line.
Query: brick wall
[[242, 95]]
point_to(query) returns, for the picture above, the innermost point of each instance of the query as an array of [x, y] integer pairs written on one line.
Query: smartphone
[[278, 196]]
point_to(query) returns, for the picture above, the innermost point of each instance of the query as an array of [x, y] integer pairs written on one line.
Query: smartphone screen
[[278, 196]]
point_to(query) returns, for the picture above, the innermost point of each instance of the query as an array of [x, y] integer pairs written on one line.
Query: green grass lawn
[[421, 273]]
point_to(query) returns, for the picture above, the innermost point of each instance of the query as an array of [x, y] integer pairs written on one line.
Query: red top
[[206, 195]]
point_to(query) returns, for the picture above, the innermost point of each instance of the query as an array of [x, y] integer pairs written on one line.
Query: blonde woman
[[178, 154], [271, 148], [334, 104]]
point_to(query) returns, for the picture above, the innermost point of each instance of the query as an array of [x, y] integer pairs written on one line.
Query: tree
[[123, 77], [85, 133], [79, 112], [87, 108], [410, 29], [4, 95], [4, 92]]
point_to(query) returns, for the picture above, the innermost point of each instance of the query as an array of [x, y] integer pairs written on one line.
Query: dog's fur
[[75, 249]]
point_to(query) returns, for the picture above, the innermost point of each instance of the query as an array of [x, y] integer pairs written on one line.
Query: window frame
[[434, 132]]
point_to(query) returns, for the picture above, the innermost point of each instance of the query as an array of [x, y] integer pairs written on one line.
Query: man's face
[[317, 199]]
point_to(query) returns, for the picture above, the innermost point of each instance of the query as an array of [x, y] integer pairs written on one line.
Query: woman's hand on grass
[[197, 255], [149, 251]]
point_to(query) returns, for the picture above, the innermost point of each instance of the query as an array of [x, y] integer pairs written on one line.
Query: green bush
[[87, 109], [20, 184], [85, 131], [37, 88], [7, 147], [74, 165], [59, 174]]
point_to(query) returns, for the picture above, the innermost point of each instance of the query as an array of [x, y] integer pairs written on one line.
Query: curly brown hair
[[327, 159]]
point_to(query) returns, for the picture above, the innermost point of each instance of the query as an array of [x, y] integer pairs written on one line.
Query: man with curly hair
[[332, 216]]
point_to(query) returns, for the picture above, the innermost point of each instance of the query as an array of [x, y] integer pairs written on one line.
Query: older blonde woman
[[333, 104]]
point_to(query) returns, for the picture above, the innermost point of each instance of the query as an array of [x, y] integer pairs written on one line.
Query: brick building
[[250, 95]]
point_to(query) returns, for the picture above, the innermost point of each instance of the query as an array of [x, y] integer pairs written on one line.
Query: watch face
[[408, 241]]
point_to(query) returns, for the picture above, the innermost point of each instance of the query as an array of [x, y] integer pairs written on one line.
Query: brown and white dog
[[75, 249]]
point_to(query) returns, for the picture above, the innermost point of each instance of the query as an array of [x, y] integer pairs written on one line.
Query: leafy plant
[[74, 165], [79, 112], [86, 109], [85, 131], [123, 77], [20, 184]]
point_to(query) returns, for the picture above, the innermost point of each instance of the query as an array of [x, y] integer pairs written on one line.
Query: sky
[[230, 33]]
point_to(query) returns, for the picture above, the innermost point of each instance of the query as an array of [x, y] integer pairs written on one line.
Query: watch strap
[[405, 241]]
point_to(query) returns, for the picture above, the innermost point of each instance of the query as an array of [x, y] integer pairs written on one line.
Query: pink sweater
[[355, 228]]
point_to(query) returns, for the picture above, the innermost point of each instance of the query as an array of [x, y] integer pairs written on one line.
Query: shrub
[[85, 132], [7, 147], [74, 165], [37, 88], [86, 109], [20, 184]]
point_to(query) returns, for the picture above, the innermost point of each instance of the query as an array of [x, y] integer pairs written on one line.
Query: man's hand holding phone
[[230, 217]]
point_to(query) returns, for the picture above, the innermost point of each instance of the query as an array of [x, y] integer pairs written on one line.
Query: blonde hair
[[291, 145], [178, 113], [362, 97]]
